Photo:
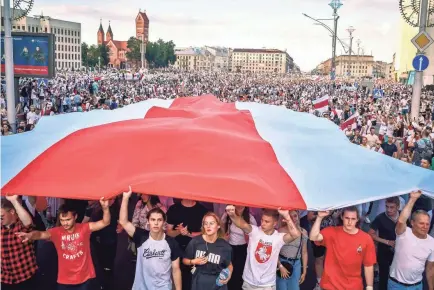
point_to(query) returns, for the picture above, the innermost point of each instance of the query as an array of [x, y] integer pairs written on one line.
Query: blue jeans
[[392, 285], [292, 282]]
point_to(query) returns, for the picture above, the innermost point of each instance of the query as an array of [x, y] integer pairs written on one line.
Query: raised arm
[[293, 231], [315, 234], [123, 214], [34, 236], [238, 220], [23, 215], [401, 225], [99, 225], [430, 274]]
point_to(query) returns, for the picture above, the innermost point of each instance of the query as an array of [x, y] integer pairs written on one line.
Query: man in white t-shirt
[[414, 250], [158, 255], [264, 247]]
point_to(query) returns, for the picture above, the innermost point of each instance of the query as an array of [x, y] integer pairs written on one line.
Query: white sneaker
[[317, 287], [367, 220]]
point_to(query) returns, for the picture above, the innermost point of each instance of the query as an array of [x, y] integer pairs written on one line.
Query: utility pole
[[142, 51], [418, 78], [335, 5], [9, 66], [350, 31]]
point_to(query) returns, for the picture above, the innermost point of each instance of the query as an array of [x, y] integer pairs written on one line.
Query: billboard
[[33, 54]]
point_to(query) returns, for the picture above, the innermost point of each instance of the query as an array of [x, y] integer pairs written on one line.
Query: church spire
[[100, 26], [109, 34]]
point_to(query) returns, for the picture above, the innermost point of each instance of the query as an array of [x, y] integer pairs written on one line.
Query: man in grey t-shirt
[[158, 255]]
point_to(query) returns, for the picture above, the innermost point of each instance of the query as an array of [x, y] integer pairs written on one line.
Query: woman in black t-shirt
[[209, 253]]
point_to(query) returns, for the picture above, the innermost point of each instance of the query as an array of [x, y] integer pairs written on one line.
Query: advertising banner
[[33, 54]]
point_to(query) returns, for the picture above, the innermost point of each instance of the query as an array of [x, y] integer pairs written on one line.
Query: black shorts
[[318, 251]]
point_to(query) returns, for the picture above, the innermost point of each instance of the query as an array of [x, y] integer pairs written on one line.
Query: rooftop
[[258, 50]]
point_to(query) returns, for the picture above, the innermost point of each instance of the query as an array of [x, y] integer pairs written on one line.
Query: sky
[[242, 24]]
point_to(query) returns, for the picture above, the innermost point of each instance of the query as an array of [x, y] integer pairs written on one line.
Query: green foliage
[[160, 53], [84, 53], [133, 45], [90, 54]]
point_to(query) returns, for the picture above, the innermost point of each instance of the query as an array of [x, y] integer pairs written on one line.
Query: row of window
[[255, 64], [31, 28], [67, 39], [61, 47], [67, 56], [64, 64]]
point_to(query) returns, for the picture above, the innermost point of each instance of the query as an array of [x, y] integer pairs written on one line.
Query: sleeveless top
[[290, 250]]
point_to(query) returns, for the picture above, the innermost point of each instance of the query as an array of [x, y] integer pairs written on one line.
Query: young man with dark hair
[[72, 242], [348, 248], [18, 260], [158, 255], [383, 232], [264, 247]]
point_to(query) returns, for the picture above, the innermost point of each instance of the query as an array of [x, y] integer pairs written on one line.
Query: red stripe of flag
[[199, 148]]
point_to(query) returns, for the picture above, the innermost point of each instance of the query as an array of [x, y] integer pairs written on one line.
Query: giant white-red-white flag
[[322, 104]]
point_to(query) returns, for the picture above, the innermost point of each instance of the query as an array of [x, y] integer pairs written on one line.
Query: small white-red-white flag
[[322, 104], [352, 120]]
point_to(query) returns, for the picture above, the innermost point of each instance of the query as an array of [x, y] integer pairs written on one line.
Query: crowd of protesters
[[185, 244]]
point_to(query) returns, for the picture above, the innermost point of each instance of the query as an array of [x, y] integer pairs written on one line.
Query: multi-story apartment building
[[260, 60], [193, 58], [67, 53], [379, 69], [354, 66], [202, 58]]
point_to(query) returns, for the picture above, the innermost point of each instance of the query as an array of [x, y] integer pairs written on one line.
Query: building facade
[[260, 61], [119, 48], [406, 51], [354, 66], [193, 58], [202, 58], [67, 34], [379, 69]]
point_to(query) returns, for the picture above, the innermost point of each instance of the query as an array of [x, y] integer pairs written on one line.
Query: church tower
[[109, 34], [100, 33], [142, 26]]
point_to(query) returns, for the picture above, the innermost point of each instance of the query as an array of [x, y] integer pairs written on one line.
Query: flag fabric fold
[[200, 148]]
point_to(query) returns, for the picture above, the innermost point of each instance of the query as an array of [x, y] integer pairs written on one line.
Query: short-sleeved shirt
[[346, 253], [73, 254], [219, 257], [411, 254], [262, 256], [386, 230], [190, 217], [154, 261], [389, 149], [18, 260]]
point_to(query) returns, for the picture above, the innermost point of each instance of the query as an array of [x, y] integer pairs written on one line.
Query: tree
[[160, 53], [84, 52], [133, 45], [104, 53]]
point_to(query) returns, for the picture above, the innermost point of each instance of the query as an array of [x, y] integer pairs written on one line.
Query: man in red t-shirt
[[72, 242], [348, 248]]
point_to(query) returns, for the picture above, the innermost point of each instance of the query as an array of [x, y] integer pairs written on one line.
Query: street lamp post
[[350, 31], [335, 5], [99, 63]]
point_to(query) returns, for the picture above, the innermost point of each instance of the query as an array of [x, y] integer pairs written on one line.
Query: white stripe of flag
[[321, 104]]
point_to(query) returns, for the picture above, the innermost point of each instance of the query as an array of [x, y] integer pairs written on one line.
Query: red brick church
[[118, 48]]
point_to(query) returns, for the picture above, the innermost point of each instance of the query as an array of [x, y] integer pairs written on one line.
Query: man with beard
[[72, 243]]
